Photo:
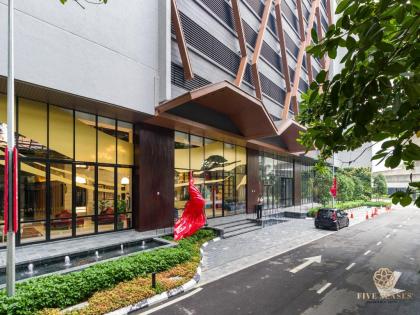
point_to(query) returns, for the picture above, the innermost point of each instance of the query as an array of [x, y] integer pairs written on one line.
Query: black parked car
[[331, 218]]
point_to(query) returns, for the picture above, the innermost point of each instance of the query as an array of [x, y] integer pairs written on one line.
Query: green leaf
[[332, 52], [314, 35], [320, 78], [393, 161], [342, 6], [405, 201]]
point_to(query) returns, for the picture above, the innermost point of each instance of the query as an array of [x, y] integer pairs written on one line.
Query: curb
[[167, 294]]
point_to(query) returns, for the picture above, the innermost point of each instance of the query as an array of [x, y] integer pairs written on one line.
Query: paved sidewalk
[[233, 254]]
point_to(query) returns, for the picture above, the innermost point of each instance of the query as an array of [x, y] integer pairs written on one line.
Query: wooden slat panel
[[242, 42], [182, 45], [298, 70], [258, 46]]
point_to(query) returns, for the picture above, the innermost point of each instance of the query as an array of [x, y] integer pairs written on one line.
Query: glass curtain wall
[[75, 171], [307, 180], [276, 176], [219, 171]]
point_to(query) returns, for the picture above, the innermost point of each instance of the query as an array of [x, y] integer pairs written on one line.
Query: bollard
[[153, 280]]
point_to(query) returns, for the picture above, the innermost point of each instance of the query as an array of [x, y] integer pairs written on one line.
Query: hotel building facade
[[117, 103]]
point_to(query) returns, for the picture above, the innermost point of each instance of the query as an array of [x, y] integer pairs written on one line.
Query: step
[[239, 227], [242, 231], [231, 223], [223, 227]]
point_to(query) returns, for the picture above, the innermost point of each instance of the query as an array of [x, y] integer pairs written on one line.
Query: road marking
[[172, 302], [388, 235], [350, 266], [400, 226], [367, 252], [326, 286], [394, 230], [309, 261], [379, 243]]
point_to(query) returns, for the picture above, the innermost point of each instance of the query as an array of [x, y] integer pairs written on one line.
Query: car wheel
[[337, 226], [316, 226], [348, 223]]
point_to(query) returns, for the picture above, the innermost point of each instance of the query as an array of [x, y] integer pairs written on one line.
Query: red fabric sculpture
[[193, 217], [333, 189]]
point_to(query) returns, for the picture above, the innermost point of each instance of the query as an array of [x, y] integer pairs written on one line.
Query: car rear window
[[325, 213]]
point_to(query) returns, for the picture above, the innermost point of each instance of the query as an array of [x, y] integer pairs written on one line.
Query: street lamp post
[[10, 264]]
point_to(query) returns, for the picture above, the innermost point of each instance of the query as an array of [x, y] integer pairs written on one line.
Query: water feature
[[78, 260], [30, 270], [67, 262]]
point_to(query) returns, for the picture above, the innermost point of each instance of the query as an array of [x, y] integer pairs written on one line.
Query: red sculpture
[[193, 217]]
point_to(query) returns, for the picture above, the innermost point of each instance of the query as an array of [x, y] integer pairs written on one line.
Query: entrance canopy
[[289, 133], [224, 106]]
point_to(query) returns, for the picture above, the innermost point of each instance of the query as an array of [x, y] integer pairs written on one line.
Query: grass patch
[[61, 291]]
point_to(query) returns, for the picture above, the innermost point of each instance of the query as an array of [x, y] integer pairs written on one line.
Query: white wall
[[104, 52]]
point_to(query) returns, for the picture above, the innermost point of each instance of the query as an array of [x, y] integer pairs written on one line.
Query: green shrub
[[60, 291], [350, 205]]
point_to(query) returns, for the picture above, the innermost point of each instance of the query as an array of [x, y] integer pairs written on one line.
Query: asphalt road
[[342, 283]]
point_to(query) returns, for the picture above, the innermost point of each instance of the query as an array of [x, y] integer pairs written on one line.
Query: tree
[[346, 186], [322, 185], [376, 96], [379, 185]]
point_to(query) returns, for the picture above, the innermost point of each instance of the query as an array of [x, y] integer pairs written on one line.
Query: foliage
[[60, 291], [379, 185], [351, 205], [352, 183], [376, 96]]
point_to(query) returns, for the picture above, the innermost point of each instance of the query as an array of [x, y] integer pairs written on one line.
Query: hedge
[[61, 291], [350, 205]]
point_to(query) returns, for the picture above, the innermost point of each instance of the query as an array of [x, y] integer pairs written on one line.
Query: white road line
[[379, 243], [394, 230], [350, 266], [172, 302], [367, 252], [326, 286], [400, 226], [388, 235]]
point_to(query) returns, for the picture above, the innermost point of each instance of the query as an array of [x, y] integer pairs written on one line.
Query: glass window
[[2, 237], [181, 191], [32, 200], [32, 139], [85, 141], [85, 199], [182, 150], [241, 159], [124, 199], [61, 133], [197, 153], [106, 140], [61, 179], [3, 123], [229, 200], [125, 143], [106, 198]]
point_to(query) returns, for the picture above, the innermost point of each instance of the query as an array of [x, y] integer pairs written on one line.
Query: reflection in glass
[[106, 197], [182, 152], [229, 202], [125, 143], [32, 232], [3, 123], [2, 237], [32, 139], [61, 133], [106, 140], [85, 198], [197, 153], [181, 191], [85, 140], [61, 200], [124, 198]]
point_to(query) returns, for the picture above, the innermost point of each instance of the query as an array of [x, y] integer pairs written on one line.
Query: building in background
[[397, 179], [117, 103]]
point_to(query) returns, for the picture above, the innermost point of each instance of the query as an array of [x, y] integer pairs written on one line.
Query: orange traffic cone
[[352, 215], [367, 215]]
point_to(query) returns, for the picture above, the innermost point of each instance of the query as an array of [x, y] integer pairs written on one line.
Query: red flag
[[14, 214], [15, 190], [333, 189], [6, 191], [193, 217]]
